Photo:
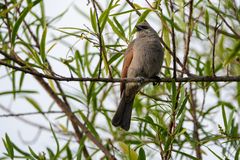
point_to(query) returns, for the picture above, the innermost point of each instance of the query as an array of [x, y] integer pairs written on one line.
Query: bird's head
[[144, 29]]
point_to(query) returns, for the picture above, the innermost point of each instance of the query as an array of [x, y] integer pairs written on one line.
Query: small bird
[[142, 59]]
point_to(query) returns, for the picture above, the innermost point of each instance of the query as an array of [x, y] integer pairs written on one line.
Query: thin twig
[[193, 105], [177, 59], [132, 5], [34, 124], [149, 4], [29, 113], [224, 20], [102, 54], [173, 42], [219, 30], [172, 123], [213, 50], [154, 97], [214, 45], [229, 26], [190, 27]]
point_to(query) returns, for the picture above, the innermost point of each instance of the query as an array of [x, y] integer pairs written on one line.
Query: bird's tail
[[122, 117]]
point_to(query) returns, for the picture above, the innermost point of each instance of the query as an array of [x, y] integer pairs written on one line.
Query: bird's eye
[[141, 27], [144, 27]]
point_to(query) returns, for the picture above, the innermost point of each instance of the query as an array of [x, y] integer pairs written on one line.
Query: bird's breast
[[147, 58]]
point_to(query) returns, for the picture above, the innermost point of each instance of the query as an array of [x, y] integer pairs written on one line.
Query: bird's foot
[[157, 79]]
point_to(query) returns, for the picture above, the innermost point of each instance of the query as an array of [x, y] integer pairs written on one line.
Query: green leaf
[[120, 26], [20, 20], [233, 54], [43, 17], [89, 125], [128, 151], [51, 154], [174, 24], [18, 92], [179, 129], [14, 84], [185, 154], [166, 38], [69, 153], [104, 16], [5, 10], [21, 81], [125, 12], [56, 140], [93, 19], [237, 155], [114, 57], [33, 153], [143, 16], [224, 117], [183, 106], [238, 93], [141, 154], [21, 151], [207, 21], [34, 104], [9, 146], [116, 30], [215, 154], [230, 121], [42, 45]]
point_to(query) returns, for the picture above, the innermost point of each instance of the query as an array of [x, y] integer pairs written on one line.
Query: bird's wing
[[128, 56]]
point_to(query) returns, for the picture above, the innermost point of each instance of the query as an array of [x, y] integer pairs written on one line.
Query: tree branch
[[193, 111], [29, 113], [126, 80], [173, 43]]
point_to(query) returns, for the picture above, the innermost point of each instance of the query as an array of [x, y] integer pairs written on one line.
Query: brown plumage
[[128, 55]]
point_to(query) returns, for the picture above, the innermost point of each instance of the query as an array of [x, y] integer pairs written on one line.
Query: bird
[[143, 58]]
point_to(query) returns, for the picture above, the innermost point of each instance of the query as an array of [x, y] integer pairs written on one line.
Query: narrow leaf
[[42, 45]]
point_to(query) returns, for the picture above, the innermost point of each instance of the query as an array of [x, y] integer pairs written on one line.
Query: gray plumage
[[143, 58]]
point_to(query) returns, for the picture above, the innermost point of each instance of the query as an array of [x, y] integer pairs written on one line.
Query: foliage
[[174, 120]]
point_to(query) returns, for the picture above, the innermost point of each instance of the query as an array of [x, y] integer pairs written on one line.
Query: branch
[[34, 124], [173, 42], [126, 80], [214, 45], [29, 113], [224, 20], [132, 5], [193, 111], [190, 26], [219, 30]]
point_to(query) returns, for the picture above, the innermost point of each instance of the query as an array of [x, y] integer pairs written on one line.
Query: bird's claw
[[158, 80]]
